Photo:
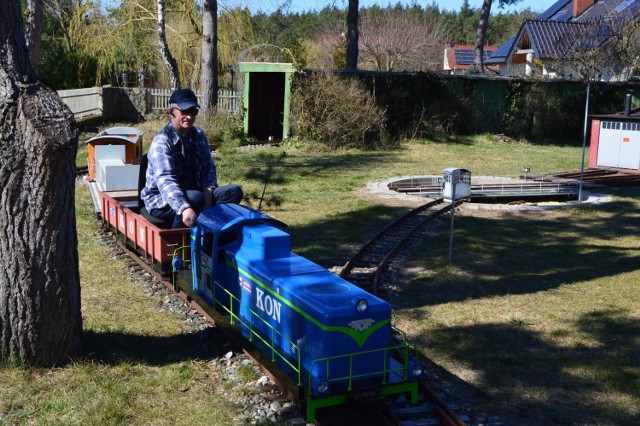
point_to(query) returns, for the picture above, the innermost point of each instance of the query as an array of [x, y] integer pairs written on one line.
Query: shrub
[[222, 129], [337, 112]]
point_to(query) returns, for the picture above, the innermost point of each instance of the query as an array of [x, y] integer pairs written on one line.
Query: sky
[[269, 6]]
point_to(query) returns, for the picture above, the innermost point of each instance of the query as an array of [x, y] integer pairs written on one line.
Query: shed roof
[[634, 115]]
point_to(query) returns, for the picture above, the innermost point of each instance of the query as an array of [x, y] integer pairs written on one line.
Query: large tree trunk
[[481, 35], [40, 318], [165, 53], [352, 36], [209, 71]]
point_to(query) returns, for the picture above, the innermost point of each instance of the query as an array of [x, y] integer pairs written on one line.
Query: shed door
[[630, 146], [266, 104], [609, 146]]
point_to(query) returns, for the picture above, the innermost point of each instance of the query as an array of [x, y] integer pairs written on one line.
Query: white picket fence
[[229, 101]]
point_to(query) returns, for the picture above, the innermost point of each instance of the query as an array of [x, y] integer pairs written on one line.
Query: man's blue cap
[[183, 99]]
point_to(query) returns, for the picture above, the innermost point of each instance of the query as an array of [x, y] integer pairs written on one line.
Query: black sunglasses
[[191, 111]]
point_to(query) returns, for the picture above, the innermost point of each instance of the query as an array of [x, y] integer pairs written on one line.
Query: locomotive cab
[[219, 231]]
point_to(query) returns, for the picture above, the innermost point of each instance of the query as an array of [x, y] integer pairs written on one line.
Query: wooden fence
[[229, 101], [84, 103], [88, 103]]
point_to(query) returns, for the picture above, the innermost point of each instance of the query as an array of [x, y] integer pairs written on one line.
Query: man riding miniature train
[[181, 176]]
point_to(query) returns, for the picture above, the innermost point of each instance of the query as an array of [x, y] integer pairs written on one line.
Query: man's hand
[[189, 217]]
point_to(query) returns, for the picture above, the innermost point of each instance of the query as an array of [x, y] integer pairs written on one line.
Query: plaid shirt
[[177, 163]]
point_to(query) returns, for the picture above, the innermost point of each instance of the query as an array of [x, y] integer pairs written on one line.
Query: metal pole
[[453, 213], [584, 142]]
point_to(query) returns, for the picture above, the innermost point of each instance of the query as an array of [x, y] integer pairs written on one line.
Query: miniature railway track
[[601, 176], [365, 267], [560, 185], [502, 190], [364, 270], [430, 411]]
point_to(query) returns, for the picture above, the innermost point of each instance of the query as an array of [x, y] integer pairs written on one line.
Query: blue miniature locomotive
[[330, 336]]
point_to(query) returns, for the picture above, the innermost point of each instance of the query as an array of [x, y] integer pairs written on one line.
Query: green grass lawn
[[539, 311], [137, 366], [538, 314]]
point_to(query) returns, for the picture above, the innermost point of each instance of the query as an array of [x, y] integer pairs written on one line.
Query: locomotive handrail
[[178, 263], [270, 344], [386, 388], [404, 349]]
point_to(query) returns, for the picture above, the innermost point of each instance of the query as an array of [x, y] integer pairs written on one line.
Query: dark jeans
[[221, 195], [227, 194]]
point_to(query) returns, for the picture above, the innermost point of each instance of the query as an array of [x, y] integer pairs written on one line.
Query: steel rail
[[348, 266], [398, 231], [385, 260]]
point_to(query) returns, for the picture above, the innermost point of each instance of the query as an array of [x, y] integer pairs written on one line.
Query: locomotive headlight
[[415, 368], [361, 305], [321, 387]]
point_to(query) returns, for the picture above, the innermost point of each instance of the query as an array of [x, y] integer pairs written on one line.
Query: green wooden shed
[[266, 97]]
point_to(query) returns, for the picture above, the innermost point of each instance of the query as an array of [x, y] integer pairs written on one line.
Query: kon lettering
[[268, 305]]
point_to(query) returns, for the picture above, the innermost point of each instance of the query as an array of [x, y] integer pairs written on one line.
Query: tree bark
[[40, 317], [165, 53], [209, 71], [34, 13], [352, 36], [481, 35], [481, 32]]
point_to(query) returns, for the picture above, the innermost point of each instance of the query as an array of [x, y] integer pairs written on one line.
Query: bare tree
[[40, 318], [481, 32], [606, 49], [397, 40], [209, 74], [623, 47], [170, 62], [352, 36]]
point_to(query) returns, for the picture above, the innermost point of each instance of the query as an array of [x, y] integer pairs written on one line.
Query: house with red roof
[[458, 58]]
